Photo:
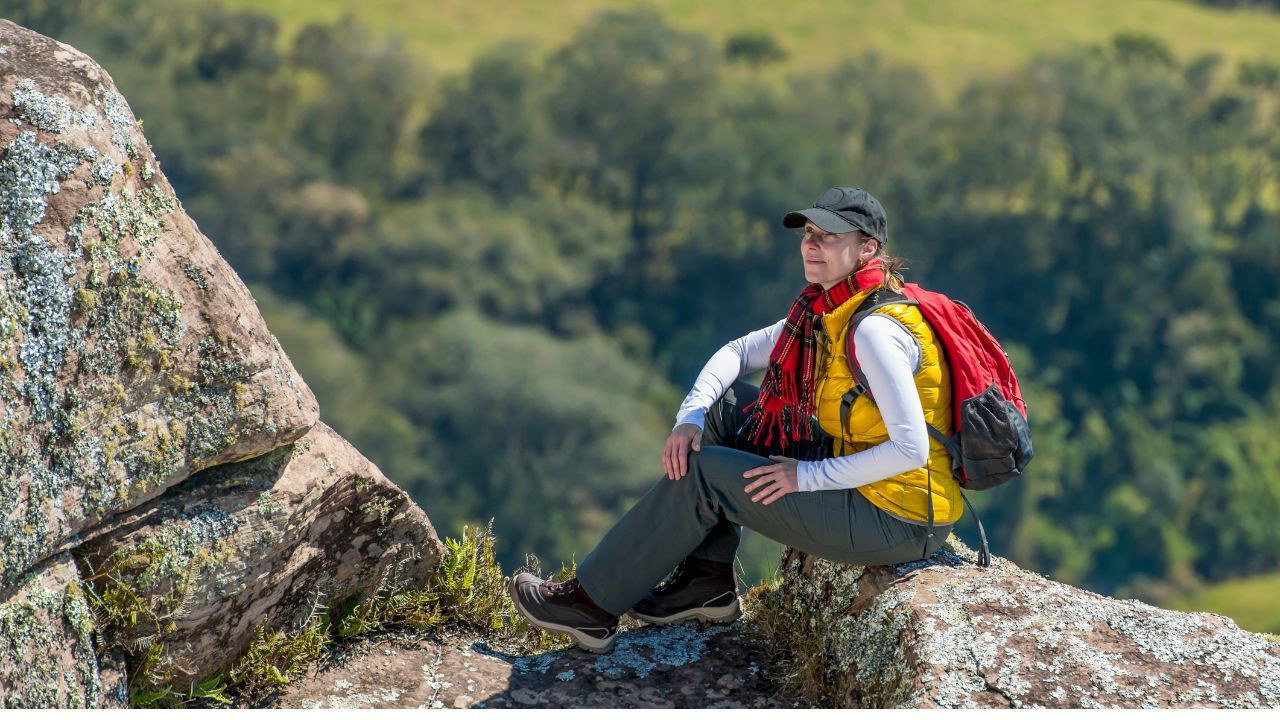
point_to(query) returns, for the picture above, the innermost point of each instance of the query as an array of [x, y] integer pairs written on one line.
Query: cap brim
[[825, 219]]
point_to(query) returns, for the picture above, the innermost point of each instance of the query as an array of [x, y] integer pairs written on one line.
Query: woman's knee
[[718, 465]]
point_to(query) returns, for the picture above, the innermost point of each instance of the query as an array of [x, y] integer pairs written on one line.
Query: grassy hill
[[954, 41], [1250, 601]]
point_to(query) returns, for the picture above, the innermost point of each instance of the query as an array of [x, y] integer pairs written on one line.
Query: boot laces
[[675, 576], [563, 588]]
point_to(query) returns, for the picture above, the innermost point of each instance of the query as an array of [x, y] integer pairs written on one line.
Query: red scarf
[[785, 402]]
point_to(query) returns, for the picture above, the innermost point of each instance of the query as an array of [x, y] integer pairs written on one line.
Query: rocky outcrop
[[941, 633], [683, 666], [131, 355], [259, 543], [151, 426], [948, 633]]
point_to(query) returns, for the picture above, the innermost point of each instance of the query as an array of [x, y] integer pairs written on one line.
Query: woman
[[808, 460]]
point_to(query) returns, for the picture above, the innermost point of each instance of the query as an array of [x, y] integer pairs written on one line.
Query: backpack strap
[[950, 442], [876, 300], [984, 552], [924, 554]]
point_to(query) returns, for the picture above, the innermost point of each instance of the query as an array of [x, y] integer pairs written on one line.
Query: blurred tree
[[356, 117], [1135, 47], [490, 127], [552, 437], [461, 250], [630, 98], [237, 42], [1238, 497], [48, 17], [1263, 4], [351, 395], [245, 205], [753, 48], [1260, 75]]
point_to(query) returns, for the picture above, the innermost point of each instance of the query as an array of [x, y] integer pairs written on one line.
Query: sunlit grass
[[953, 41], [1251, 602]]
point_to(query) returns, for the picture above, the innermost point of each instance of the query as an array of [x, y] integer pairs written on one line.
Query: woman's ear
[[870, 247]]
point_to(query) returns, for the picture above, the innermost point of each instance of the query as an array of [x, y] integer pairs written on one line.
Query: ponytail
[[892, 265]]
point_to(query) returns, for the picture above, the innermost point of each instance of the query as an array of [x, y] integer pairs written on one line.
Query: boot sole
[[719, 615], [582, 640]]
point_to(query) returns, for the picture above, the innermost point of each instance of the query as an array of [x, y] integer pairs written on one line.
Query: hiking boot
[[564, 608], [697, 590]]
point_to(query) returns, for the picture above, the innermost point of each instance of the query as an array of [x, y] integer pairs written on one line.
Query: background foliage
[[499, 281]]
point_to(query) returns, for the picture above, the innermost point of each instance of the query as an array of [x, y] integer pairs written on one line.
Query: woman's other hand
[[775, 480], [675, 458]]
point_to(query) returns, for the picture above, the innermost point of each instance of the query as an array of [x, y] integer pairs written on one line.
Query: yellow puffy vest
[[905, 495]]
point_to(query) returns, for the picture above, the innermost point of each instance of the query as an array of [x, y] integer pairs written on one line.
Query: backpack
[[991, 444]]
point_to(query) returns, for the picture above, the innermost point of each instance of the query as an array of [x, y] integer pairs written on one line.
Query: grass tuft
[[799, 664], [276, 657]]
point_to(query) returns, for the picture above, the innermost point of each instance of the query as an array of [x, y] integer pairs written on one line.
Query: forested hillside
[[500, 294]]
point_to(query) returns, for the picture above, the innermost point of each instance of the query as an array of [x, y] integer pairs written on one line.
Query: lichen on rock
[[114, 384], [947, 633], [47, 656]]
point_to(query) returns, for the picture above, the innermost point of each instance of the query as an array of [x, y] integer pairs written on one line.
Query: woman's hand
[[675, 457], [775, 480]]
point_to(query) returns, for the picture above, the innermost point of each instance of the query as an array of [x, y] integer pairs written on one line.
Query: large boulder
[[260, 543], [948, 633], [47, 656], [149, 421], [131, 355]]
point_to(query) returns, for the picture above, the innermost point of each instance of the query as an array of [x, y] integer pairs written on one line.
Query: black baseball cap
[[841, 210]]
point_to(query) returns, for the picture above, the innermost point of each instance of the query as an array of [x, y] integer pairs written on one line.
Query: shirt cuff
[[697, 416], [804, 476]]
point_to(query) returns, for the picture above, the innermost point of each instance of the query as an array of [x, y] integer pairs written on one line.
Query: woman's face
[[830, 257]]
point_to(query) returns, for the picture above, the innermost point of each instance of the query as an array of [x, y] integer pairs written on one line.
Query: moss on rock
[[47, 631]]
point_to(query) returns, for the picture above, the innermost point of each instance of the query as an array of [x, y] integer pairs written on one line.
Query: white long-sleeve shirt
[[888, 355]]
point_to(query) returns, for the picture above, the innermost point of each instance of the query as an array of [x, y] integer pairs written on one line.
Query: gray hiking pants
[[701, 514]]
